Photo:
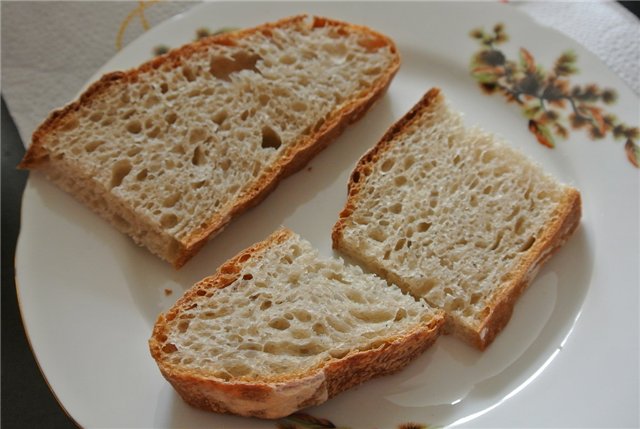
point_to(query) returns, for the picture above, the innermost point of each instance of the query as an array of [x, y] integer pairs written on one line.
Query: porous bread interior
[[288, 311], [448, 213], [181, 144]]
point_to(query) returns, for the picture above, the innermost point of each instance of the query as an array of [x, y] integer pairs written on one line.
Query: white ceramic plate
[[569, 357]]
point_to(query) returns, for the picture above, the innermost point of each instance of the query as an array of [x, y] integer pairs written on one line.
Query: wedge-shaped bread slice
[[171, 151], [278, 328], [454, 216]]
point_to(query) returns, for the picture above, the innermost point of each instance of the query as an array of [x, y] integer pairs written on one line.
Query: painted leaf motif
[[306, 421], [596, 114], [633, 152], [545, 96], [542, 133], [485, 74], [527, 61]]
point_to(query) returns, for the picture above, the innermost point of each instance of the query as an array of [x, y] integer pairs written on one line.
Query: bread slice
[[278, 328], [171, 151], [454, 216]]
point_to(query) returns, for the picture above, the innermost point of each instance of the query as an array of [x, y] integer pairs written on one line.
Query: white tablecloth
[[50, 49]]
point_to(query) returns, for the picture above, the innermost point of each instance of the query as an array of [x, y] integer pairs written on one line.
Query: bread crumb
[[168, 292]]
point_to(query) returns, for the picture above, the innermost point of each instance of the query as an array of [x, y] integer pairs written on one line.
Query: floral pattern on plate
[[547, 98]]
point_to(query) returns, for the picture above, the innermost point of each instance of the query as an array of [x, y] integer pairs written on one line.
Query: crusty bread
[[171, 151], [454, 216], [278, 328]]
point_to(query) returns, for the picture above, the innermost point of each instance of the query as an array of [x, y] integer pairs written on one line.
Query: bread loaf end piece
[[170, 152], [278, 328]]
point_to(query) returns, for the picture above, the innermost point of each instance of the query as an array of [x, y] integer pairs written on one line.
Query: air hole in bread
[[222, 67], [220, 116], [155, 132], [199, 184], [70, 124], [183, 325], [377, 234], [372, 315], [198, 158], [519, 226], [96, 116], [387, 165], [263, 99], [396, 208], [338, 354], [487, 156], [337, 324], [151, 101], [475, 298], [129, 113], [169, 348], [134, 127], [270, 138], [265, 305], [197, 135], [423, 226], [319, 329], [496, 243], [119, 171], [400, 314], [355, 296], [168, 220], [171, 200], [189, 73], [287, 59], [279, 324], [92, 146], [298, 106], [300, 334], [400, 180], [171, 117], [302, 315], [409, 161], [134, 151], [399, 244], [527, 244]]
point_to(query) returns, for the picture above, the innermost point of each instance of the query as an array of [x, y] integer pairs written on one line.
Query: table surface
[[27, 401]]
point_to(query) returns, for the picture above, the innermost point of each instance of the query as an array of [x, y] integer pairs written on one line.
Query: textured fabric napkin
[[50, 49]]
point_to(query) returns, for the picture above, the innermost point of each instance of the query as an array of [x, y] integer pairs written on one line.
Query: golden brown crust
[[278, 396], [497, 314], [364, 166], [564, 223], [298, 154]]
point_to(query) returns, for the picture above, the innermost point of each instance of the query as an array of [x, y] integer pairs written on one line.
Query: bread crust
[[276, 397], [296, 157], [564, 221]]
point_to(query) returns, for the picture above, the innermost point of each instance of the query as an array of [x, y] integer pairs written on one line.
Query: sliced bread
[[171, 151], [278, 328], [454, 216]]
